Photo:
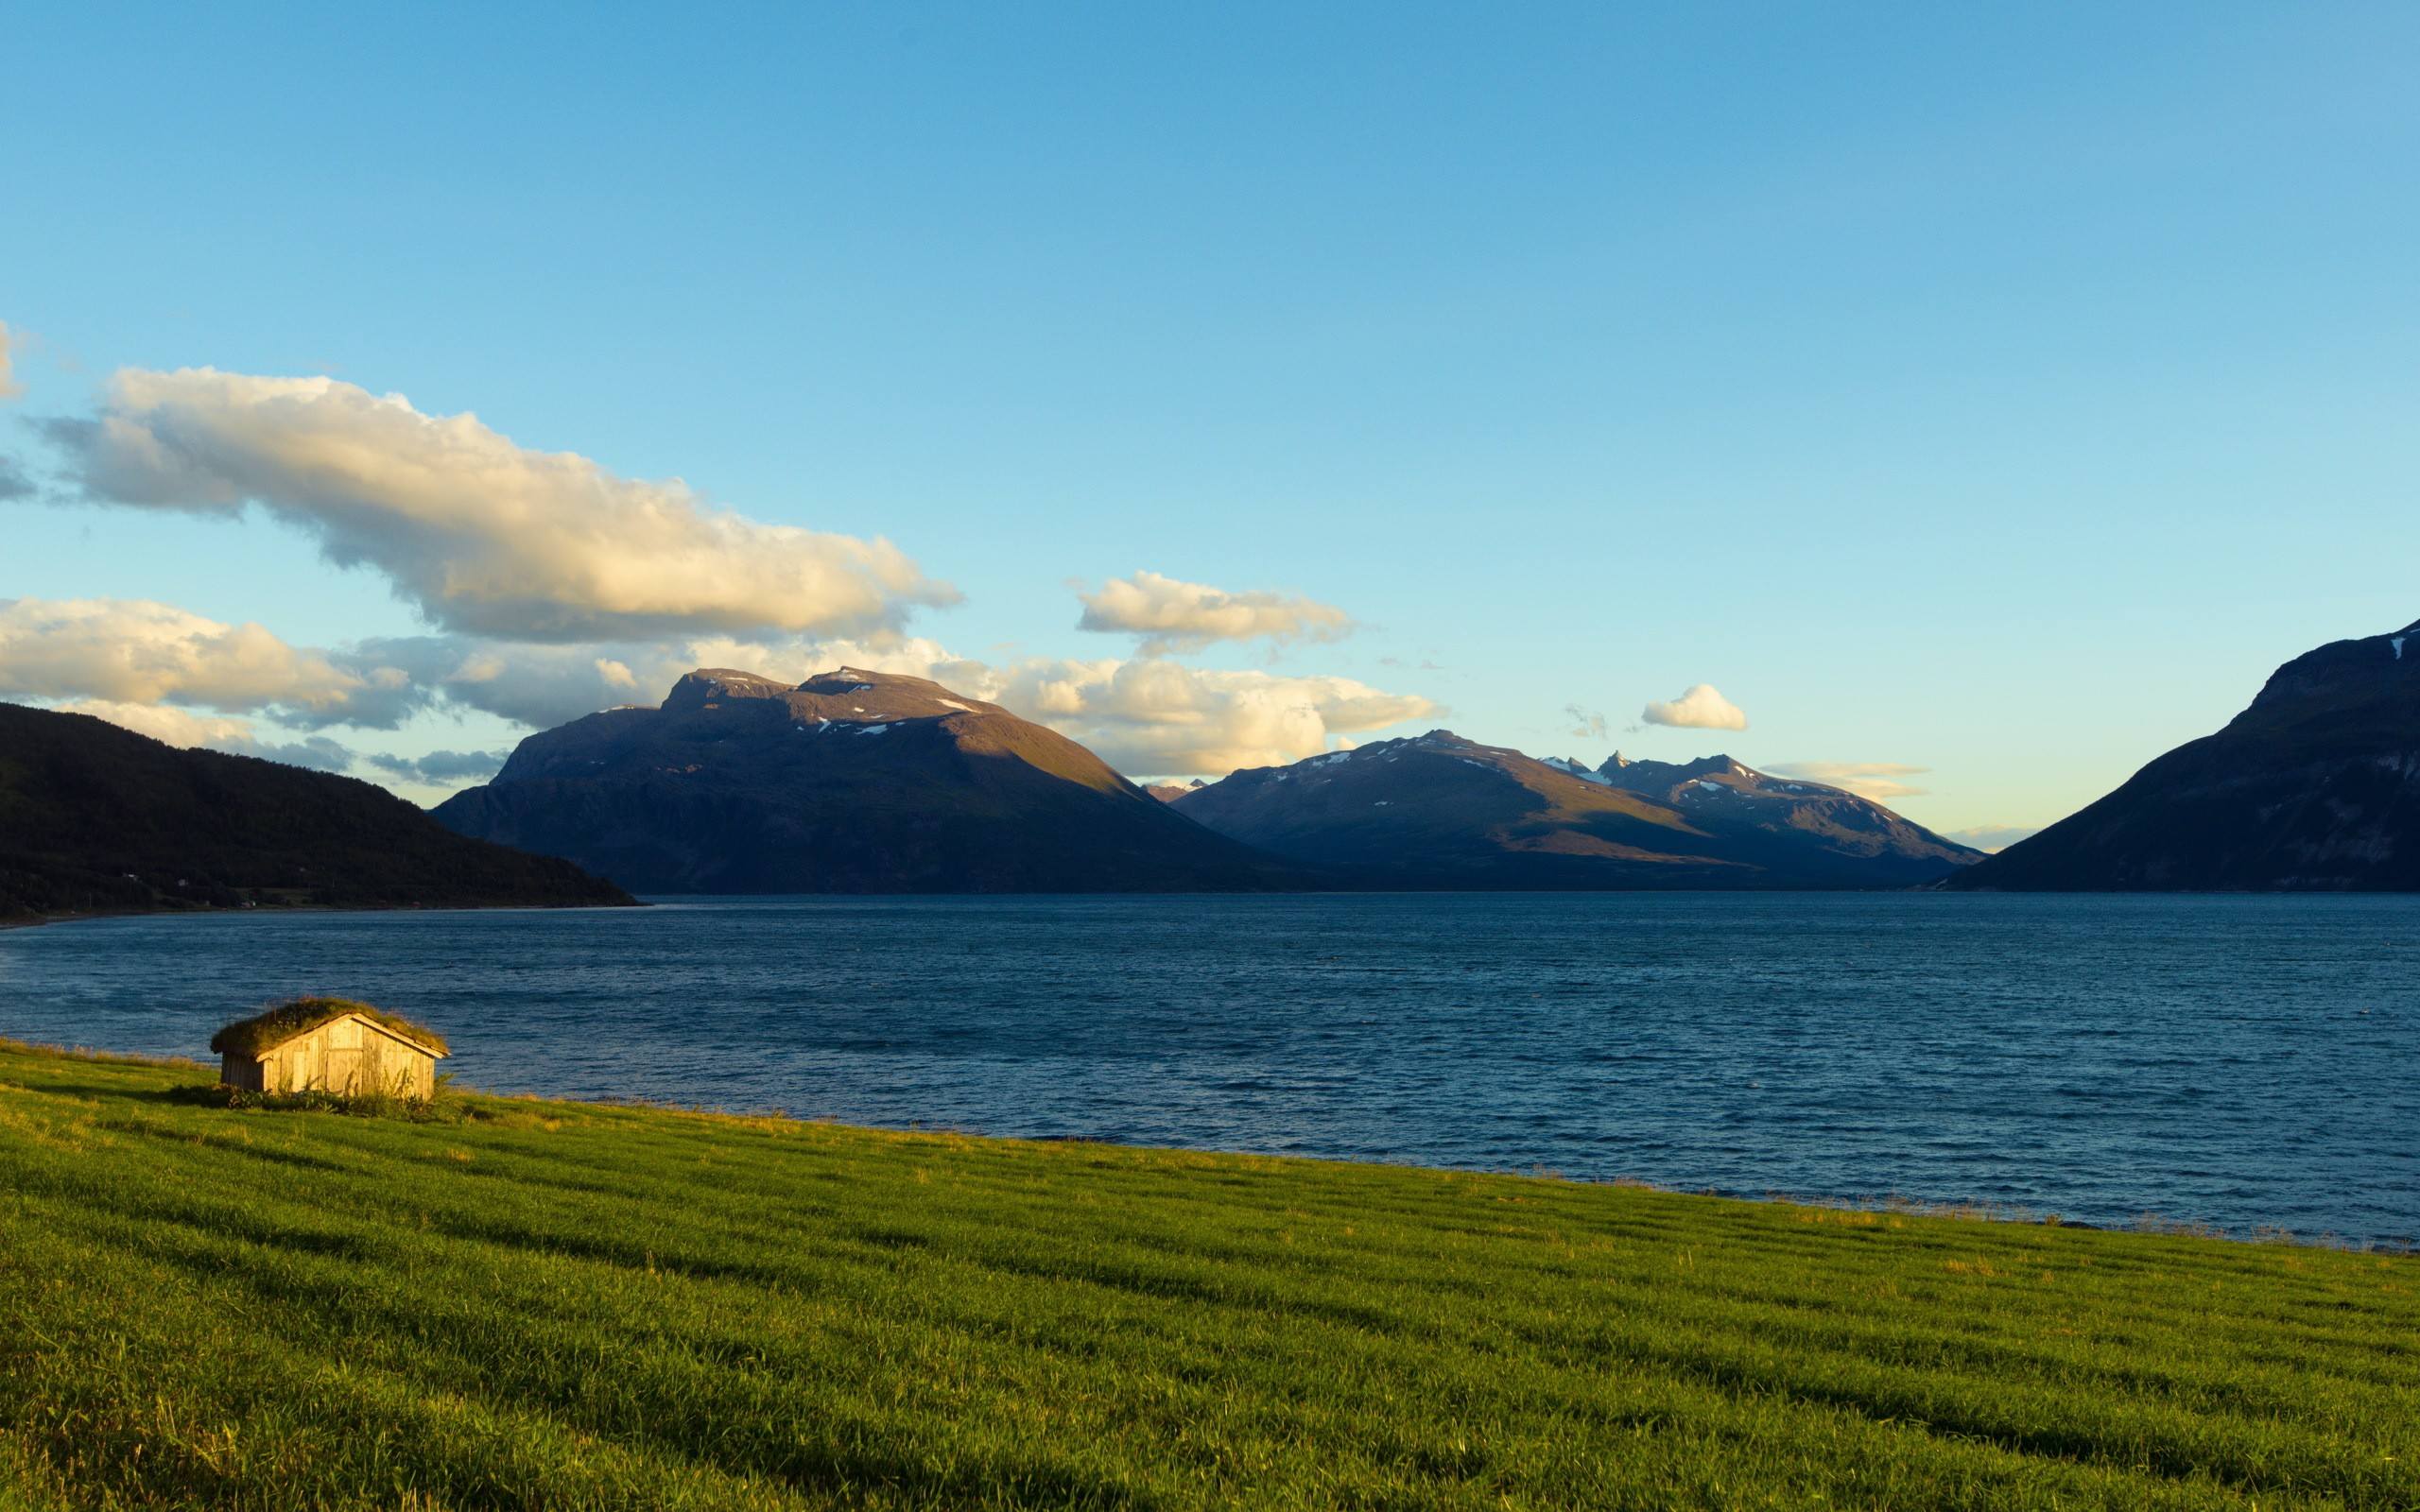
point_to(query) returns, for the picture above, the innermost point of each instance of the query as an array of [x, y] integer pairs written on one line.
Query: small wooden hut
[[330, 1044]]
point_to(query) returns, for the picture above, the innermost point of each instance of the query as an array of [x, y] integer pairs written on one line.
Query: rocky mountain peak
[[714, 684], [2355, 670]]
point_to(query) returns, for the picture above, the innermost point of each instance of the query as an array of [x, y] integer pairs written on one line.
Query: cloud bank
[[1700, 708], [1874, 780], [149, 666], [484, 537], [135, 651], [181, 729], [10, 388], [442, 768], [1156, 718], [1171, 615]]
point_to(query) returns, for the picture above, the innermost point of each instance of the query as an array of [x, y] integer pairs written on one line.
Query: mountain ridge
[[1411, 812], [2314, 786], [96, 818]]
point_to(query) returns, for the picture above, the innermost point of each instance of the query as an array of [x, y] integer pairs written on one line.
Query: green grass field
[[564, 1306]]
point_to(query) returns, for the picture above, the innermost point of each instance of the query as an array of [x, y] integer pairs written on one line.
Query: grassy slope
[[572, 1306]]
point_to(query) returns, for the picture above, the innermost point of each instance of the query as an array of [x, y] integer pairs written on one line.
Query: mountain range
[[866, 782], [2315, 786], [94, 818], [850, 781], [1440, 811]]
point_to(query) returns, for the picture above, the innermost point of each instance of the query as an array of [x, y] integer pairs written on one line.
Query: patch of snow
[[955, 704], [862, 687], [871, 730], [1711, 787], [1383, 803], [858, 708], [2398, 646]]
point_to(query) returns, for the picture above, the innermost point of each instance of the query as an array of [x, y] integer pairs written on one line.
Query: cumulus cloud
[[136, 651], [485, 537], [1171, 615], [1874, 780], [184, 729], [1586, 724], [1153, 718], [10, 388], [1992, 837], [1700, 708], [442, 768]]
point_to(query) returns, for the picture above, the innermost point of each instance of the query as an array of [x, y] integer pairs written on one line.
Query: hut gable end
[[329, 1045]]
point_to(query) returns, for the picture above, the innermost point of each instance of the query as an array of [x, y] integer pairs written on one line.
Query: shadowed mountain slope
[[1440, 811], [2314, 788], [96, 818], [850, 781]]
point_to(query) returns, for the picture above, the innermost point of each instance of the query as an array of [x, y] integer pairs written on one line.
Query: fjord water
[[2239, 1062]]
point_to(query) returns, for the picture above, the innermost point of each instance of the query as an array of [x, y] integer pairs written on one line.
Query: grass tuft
[[442, 1108]]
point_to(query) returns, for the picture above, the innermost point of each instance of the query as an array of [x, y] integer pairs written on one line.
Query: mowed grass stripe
[[570, 1306]]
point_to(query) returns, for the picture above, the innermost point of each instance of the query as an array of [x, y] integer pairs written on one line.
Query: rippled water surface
[[2235, 1062]]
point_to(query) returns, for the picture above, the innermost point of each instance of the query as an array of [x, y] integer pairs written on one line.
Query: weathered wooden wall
[[347, 1056]]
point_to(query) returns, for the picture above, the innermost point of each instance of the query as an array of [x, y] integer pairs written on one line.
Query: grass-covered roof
[[264, 1032]]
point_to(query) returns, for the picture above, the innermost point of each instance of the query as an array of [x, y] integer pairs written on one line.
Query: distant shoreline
[[40, 920]]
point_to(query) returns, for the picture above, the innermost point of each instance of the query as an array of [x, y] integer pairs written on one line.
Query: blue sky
[[2000, 395]]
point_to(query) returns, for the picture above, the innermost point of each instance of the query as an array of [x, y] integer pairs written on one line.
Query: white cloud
[[484, 536], [1173, 615], [1150, 717], [441, 768], [1586, 724], [1874, 780], [1700, 708], [180, 728], [10, 388], [133, 651], [1992, 837]]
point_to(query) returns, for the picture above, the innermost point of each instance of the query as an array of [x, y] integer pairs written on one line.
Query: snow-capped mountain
[[850, 781], [1437, 810]]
